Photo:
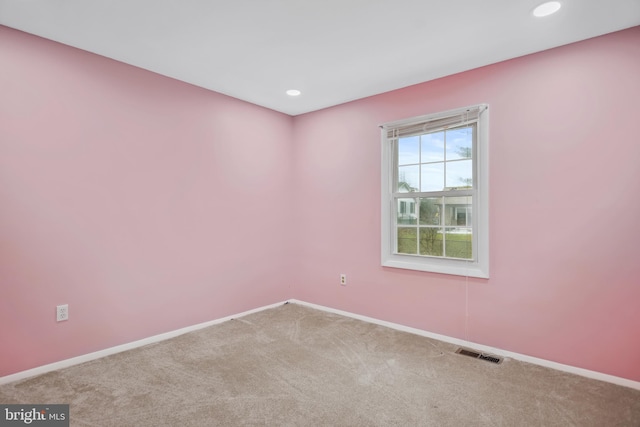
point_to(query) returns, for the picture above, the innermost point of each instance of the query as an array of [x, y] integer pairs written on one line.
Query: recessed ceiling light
[[293, 92], [547, 8]]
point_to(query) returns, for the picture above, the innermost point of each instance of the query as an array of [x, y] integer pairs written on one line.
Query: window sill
[[438, 265]]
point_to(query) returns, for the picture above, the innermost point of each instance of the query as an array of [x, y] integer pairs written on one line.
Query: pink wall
[[140, 201], [148, 205], [565, 177]]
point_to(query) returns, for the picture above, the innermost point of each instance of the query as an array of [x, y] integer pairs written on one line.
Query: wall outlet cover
[[62, 312]]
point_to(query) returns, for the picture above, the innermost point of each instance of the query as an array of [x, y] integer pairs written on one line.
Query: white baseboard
[[124, 347], [483, 348]]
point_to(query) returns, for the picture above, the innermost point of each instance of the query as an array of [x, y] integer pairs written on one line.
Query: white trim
[[479, 267], [124, 347], [483, 348]]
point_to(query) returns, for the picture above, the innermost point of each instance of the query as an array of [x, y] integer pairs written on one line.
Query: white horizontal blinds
[[433, 123]]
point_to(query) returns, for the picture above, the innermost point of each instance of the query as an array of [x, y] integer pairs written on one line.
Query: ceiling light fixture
[[546, 9], [293, 92]]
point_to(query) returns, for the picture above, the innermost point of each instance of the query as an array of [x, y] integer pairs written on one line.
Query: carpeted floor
[[296, 366]]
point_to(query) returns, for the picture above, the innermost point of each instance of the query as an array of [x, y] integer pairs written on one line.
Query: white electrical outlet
[[343, 279], [62, 312]]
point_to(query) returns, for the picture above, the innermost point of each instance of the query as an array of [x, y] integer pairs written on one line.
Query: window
[[435, 193]]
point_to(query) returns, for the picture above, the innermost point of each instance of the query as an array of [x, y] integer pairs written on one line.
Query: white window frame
[[479, 266]]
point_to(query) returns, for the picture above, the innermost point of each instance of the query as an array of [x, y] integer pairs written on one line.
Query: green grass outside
[[457, 245]]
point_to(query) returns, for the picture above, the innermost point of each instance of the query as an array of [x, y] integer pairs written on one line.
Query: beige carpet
[[296, 366]]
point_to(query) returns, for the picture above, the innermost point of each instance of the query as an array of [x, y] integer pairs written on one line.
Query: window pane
[[408, 150], [407, 240], [460, 174], [459, 143], [406, 213], [458, 243], [408, 178], [430, 211], [457, 211], [433, 147], [431, 241], [432, 176]]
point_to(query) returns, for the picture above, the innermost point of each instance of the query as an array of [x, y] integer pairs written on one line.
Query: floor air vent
[[476, 355]]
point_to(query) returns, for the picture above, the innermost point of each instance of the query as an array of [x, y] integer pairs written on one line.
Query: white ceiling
[[334, 51]]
